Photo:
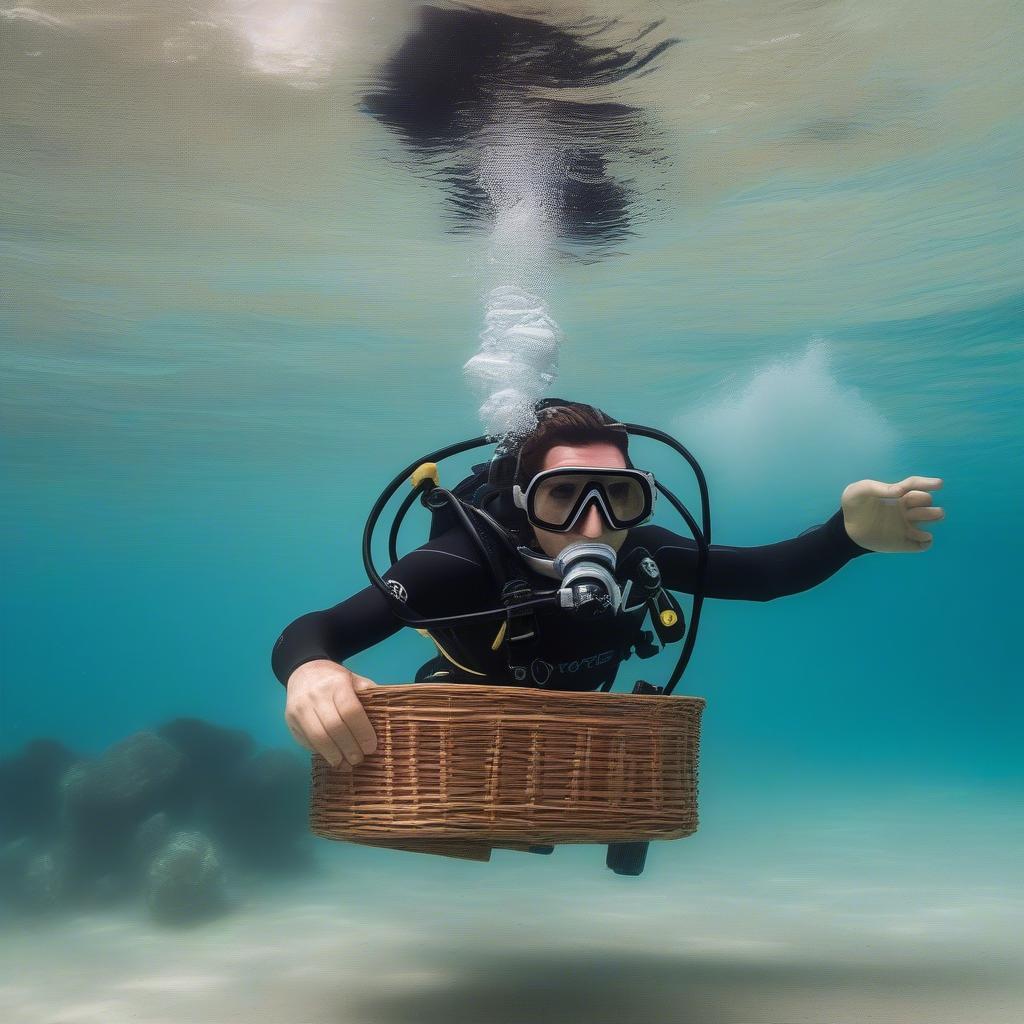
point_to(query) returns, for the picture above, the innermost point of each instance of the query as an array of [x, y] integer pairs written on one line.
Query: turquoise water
[[231, 309]]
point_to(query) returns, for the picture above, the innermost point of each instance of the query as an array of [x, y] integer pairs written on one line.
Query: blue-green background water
[[229, 313]]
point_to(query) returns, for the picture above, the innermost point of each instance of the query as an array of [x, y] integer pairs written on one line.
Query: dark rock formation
[[166, 816], [106, 799], [210, 753], [150, 838], [263, 814], [47, 879], [185, 882], [29, 789]]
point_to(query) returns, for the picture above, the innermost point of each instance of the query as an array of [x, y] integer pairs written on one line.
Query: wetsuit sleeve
[[444, 577], [335, 633], [755, 573]]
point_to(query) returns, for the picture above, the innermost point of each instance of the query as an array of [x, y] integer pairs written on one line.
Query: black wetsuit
[[448, 576]]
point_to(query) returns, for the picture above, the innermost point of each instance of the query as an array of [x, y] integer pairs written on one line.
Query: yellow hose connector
[[501, 636], [425, 471], [668, 617]]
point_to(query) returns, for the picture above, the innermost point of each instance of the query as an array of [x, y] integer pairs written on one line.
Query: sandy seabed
[[849, 918]]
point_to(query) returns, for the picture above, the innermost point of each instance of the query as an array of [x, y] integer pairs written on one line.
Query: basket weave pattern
[[514, 766]]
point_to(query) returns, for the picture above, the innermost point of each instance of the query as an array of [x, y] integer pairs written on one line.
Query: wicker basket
[[462, 768]]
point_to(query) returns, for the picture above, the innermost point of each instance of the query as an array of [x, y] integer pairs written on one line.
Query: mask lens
[[556, 497], [626, 497]]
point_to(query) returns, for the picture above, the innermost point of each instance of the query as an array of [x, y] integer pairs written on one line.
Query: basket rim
[[494, 688]]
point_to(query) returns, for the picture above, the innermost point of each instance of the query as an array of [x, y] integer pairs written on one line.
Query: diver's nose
[[593, 524]]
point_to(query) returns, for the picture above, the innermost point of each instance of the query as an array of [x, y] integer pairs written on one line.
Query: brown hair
[[567, 423]]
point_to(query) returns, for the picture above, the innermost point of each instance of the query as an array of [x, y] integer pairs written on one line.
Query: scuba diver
[[542, 567]]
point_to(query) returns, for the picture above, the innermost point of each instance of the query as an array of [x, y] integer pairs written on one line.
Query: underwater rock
[[104, 800], [30, 790], [15, 858], [210, 752], [34, 877], [125, 876], [110, 888], [211, 747], [159, 816], [263, 811], [131, 776], [150, 837], [186, 881], [46, 881]]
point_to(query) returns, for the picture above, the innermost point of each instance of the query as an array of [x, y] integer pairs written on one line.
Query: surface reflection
[[480, 101]]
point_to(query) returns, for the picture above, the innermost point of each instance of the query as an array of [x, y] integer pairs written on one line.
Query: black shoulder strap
[[521, 637]]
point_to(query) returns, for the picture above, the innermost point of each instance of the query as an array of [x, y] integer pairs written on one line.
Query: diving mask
[[556, 498]]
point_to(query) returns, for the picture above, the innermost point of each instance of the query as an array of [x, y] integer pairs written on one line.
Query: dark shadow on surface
[[469, 89], [629, 989]]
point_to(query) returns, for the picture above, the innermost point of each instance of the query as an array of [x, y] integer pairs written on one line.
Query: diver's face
[[591, 526]]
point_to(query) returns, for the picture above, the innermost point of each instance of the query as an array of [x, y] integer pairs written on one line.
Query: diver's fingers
[[919, 536], [321, 740], [911, 483], [354, 717], [337, 728], [360, 683], [915, 515], [915, 499]]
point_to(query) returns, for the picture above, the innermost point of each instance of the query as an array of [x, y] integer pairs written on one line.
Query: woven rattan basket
[[462, 768]]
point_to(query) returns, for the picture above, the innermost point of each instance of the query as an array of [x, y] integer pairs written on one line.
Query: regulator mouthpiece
[[589, 588]]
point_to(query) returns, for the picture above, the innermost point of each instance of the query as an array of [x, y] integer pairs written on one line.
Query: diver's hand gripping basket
[[462, 768]]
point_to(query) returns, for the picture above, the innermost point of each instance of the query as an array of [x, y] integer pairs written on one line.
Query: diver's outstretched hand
[[324, 713], [883, 517]]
